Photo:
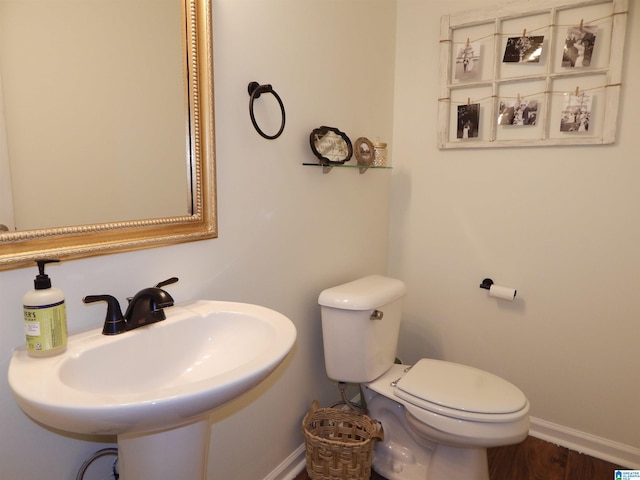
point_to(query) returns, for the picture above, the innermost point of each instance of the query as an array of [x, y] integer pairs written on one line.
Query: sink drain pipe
[[100, 453]]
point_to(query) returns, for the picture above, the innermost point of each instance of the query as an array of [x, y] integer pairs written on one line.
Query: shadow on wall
[[416, 336]]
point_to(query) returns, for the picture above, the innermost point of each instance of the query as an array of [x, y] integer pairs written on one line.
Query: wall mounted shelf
[[362, 168]]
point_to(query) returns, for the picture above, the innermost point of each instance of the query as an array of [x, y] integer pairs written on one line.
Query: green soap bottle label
[[45, 326]]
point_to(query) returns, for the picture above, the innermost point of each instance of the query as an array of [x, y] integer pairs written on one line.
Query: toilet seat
[[461, 392]]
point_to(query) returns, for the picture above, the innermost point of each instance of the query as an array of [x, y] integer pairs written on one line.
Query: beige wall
[[286, 231], [559, 224]]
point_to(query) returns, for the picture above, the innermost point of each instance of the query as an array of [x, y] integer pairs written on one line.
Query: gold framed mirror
[[21, 247]]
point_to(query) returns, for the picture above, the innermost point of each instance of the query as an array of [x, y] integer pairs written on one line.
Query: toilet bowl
[[429, 440], [438, 417]]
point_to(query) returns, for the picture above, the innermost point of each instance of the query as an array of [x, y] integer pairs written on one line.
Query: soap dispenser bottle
[[45, 316]]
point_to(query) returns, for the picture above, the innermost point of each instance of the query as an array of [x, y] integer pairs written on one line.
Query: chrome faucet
[[145, 307]]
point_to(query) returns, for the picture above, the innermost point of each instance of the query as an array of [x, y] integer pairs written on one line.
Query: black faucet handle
[[114, 322], [166, 282], [147, 306]]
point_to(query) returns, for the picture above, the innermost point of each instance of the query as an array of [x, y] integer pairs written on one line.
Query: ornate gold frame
[[20, 248]]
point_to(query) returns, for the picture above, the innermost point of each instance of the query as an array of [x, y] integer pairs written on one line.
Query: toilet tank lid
[[365, 293]]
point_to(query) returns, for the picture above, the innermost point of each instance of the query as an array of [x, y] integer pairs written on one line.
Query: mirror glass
[[93, 95], [106, 125]]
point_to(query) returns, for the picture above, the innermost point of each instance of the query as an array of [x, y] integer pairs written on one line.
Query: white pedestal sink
[[155, 386]]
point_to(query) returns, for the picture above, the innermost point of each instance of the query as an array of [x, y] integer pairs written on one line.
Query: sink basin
[[161, 376]]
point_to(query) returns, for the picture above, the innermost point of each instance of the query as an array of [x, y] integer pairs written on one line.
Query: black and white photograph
[[576, 113], [467, 61], [518, 112], [468, 120], [523, 49], [578, 46]]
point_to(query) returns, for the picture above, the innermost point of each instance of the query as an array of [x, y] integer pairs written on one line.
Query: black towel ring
[[255, 90]]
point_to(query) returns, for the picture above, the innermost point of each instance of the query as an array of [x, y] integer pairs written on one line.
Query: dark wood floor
[[535, 459]]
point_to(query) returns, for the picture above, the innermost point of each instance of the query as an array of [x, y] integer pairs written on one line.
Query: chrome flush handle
[[376, 315]]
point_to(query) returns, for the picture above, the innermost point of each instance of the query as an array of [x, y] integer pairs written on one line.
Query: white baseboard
[[618, 453], [290, 467]]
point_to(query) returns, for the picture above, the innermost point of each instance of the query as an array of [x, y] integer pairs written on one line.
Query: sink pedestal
[[178, 453]]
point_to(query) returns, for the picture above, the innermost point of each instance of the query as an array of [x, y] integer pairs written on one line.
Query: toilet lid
[[459, 387]]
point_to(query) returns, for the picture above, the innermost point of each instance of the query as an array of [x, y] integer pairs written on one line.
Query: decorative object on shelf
[[364, 152], [330, 145], [379, 154], [255, 90]]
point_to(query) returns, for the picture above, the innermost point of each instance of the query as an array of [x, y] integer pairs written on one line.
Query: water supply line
[[345, 401], [100, 453]]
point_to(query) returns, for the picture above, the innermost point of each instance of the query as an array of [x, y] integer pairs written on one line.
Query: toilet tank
[[358, 346]]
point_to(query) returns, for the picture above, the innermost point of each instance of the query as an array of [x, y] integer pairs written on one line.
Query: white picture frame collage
[[543, 74]]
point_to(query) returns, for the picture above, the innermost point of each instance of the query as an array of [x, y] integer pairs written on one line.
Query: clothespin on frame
[[468, 101], [524, 33], [467, 41], [581, 23], [577, 91]]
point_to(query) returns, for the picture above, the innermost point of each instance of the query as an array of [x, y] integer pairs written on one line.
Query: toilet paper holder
[[502, 293], [486, 284]]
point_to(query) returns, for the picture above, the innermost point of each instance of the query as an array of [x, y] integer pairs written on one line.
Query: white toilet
[[438, 417]]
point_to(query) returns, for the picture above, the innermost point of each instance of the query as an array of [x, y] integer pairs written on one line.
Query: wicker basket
[[339, 443]]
